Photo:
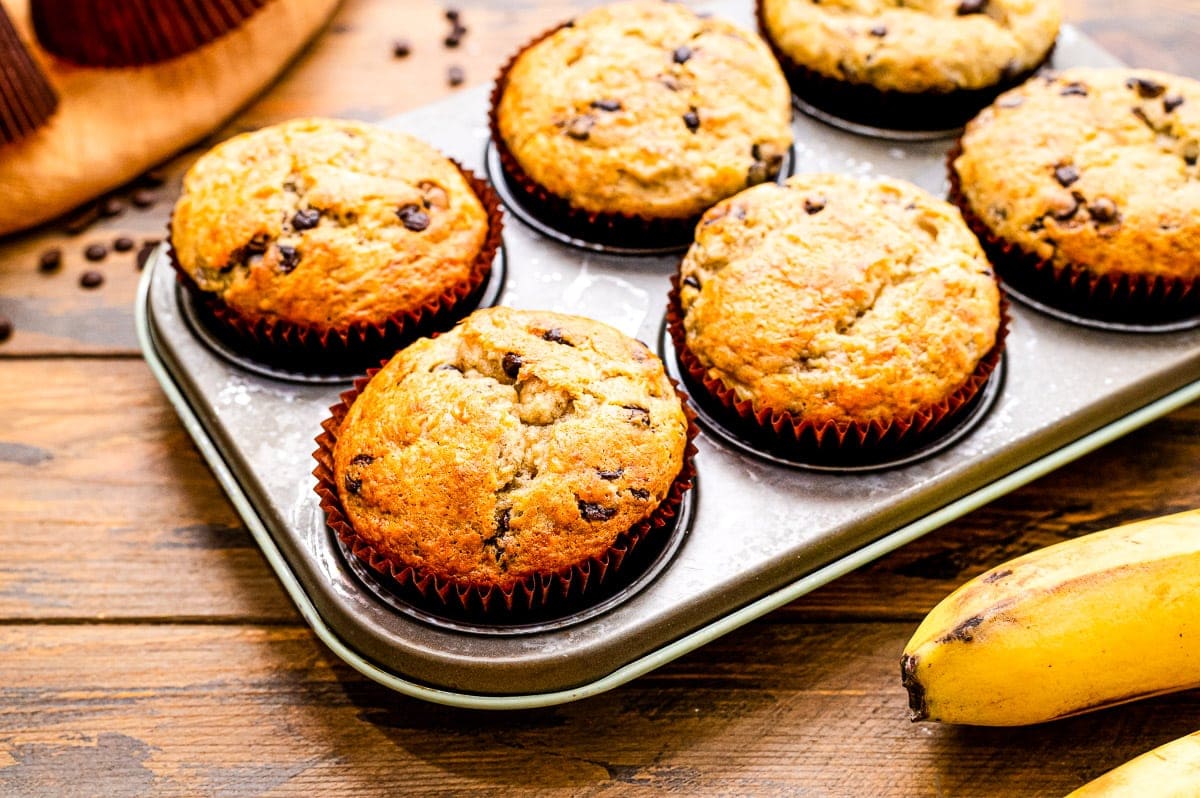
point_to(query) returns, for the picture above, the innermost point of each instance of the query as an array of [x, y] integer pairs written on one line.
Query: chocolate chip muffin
[[1084, 187], [919, 65], [520, 448], [640, 111], [834, 310], [322, 231]]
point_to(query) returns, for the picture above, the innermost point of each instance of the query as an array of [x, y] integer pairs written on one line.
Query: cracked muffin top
[[839, 299], [519, 443], [1095, 168], [327, 223], [645, 109], [916, 45]]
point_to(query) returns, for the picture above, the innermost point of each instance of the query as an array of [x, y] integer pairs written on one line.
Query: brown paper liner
[[27, 99], [127, 33], [863, 104], [1126, 297], [830, 440], [307, 348], [483, 601], [619, 229]]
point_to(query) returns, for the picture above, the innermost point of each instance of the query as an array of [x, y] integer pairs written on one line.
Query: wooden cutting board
[[113, 124]]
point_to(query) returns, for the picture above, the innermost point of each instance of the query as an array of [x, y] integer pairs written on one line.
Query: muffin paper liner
[[777, 428], [497, 603], [620, 229], [128, 33], [1126, 297], [889, 109], [27, 99], [306, 348]]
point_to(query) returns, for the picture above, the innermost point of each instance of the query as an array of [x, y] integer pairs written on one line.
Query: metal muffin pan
[[758, 531]]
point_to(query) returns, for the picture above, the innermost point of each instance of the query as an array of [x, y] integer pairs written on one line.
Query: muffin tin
[[757, 530]]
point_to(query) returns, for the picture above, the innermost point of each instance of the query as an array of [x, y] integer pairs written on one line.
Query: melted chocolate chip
[[606, 105], [610, 475], [638, 493], [353, 484], [96, 252], [413, 217], [1172, 102], [1146, 88], [122, 244], [511, 363], [682, 54], [1103, 210], [50, 260], [362, 459], [580, 127], [814, 205], [306, 219], [1066, 174], [692, 281], [91, 279], [879, 31], [595, 512], [289, 258], [692, 120], [638, 415], [1074, 89], [555, 336], [971, 7]]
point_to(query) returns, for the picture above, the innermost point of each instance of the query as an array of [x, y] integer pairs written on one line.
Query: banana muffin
[[918, 65], [323, 230], [641, 110], [516, 449], [834, 304], [1085, 189]]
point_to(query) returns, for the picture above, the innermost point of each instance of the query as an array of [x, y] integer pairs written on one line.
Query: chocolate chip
[[1065, 174], [256, 245], [91, 279], [413, 217], [122, 244], [606, 105], [638, 415], [1074, 89], [455, 76], [692, 120], [579, 128], [555, 335], [1146, 88], [353, 484], [638, 493], [595, 512], [289, 258], [682, 54], [511, 363], [50, 260], [879, 30], [814, 205], [1172, 102], [306, 219], [143, 198], [112, 206], [610, 475], [95, 252], [143, 255], [6, 329], [971, 7], [692, 281], [1010, 102], [1103, 209], [401, 48], [362, 459]]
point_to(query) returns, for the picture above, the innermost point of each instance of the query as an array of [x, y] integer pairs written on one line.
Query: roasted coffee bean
[[353, 484], [413, 217], [362, 459], [595, 512], [306, 219], [143, 198], [1103, 210], [455, 76], [879, 31], [83, 219], [154, 178], [638, 493], [6, 329], [609, 476], [95, 252], [1074, 89], [511, 364], [579, 128], [638, 415], [112, 206], [555, 336], [692, 120], [401, 48], [971, 7], [1065, 174], [692, 281], [606, 105], [1146, 88], [682, 54], [289, 258], [1172, 102], [50, 260], [91, 279], [814, 205], [122, 244]]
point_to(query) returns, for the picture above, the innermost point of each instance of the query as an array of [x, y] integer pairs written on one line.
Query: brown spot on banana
[[996, 576], [917, 709], [962, 632]]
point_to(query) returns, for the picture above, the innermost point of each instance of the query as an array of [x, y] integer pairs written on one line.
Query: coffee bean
[[879, 31], [111, 206], [362, 459], [452, 41], [609, 476], [413, 217], [1066, 174], [289, 258], [50, 260], [353, 484], [123, 244], [1103, 209], [511, 364], [83, 219], [971, 7], [91, 279], [555, 336], [682, 54], [154, 178], [1172, 102], [6, 329], [595, 512], [814, 205], [638, 415], [95, 252], [579, 128], [692, 120], [1074, 89], [401, 48], [638, 493], [143, 198], [306, 219], [455, 76], [692, 281], [606, 105]]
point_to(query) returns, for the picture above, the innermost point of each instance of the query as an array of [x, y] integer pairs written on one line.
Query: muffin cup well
[[1120, 296], [888, 109], [27, 99], [129, 33], [305, 347], [620, 229], [828, 441], [490, 602]]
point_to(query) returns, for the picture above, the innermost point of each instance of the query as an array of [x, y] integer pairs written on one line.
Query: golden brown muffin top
[[837, 298], [1092, 167], [915, 45], [518, 443], [644, 108], [326, 223]]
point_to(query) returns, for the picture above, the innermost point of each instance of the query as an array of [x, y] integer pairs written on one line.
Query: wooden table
[[146, 648]]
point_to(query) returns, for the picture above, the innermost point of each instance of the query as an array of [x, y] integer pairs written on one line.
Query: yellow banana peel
[[1087, 623], [1170, 771]]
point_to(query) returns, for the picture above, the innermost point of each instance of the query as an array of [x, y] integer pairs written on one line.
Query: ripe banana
[[1170, 771], [1099, 620]]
